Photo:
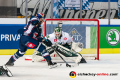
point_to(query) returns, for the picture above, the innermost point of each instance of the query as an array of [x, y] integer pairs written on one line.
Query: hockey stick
[[67, 65]]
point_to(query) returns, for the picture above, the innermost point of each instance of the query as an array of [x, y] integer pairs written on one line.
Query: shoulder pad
[[34, 21]]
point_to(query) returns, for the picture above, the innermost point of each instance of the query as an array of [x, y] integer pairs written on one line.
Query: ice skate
[[9, 63], [51, 64], [5, 70]]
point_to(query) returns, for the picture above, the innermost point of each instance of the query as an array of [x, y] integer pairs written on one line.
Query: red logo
[[30, 45], [65, 38], [35, 34], [55, 40]]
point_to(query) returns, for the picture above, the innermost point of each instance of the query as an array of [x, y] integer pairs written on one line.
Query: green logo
[[113, 37]]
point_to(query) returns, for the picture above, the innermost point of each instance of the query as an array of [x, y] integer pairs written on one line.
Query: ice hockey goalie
[[64, 44]]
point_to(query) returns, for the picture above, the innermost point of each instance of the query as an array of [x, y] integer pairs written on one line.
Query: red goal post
[[88, 25]]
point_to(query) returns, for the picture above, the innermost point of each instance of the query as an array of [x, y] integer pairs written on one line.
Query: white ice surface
[[27, 70]]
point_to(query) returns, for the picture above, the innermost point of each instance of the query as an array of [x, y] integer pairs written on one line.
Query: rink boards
[[30, 51], [10, 39]]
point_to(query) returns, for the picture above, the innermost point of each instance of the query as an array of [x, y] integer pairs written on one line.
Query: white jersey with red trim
[[63, 40]]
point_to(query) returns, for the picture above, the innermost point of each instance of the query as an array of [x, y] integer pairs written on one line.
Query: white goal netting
[[85, 31]]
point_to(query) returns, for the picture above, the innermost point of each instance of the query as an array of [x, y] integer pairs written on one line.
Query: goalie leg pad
[[66, 52], [75, 56], [37, 56]]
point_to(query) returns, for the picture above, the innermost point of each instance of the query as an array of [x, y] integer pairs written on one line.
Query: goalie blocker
[[64, 52]]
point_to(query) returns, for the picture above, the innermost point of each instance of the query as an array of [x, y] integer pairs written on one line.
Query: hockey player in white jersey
[[64, 45]]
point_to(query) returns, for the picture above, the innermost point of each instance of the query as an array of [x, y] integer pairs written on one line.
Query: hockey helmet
[[40, 15], [58, 32]]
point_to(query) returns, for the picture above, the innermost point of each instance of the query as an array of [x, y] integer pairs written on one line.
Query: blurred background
[[96, 9]]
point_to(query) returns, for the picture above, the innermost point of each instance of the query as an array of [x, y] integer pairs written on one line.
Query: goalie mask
[[58, 32]]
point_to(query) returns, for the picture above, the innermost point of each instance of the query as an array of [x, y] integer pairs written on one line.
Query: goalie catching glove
[[77, 46]]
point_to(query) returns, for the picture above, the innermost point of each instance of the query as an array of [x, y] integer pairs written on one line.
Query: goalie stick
[[67, 65]]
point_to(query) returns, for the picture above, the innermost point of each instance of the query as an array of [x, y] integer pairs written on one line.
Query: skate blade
[[54, 66]]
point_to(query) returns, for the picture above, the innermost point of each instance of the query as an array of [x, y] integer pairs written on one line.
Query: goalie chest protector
[[64, 39]]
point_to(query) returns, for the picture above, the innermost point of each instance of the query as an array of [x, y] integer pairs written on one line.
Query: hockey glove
[[47, 43], [39, 30], [80, 45]]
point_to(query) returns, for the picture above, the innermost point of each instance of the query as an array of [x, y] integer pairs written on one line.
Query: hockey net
[[85, 31]]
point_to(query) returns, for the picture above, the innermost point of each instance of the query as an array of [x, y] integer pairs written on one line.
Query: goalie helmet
[[58, 32]]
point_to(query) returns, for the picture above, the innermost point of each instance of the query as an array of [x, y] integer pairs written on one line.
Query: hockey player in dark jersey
[[31, 37]]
